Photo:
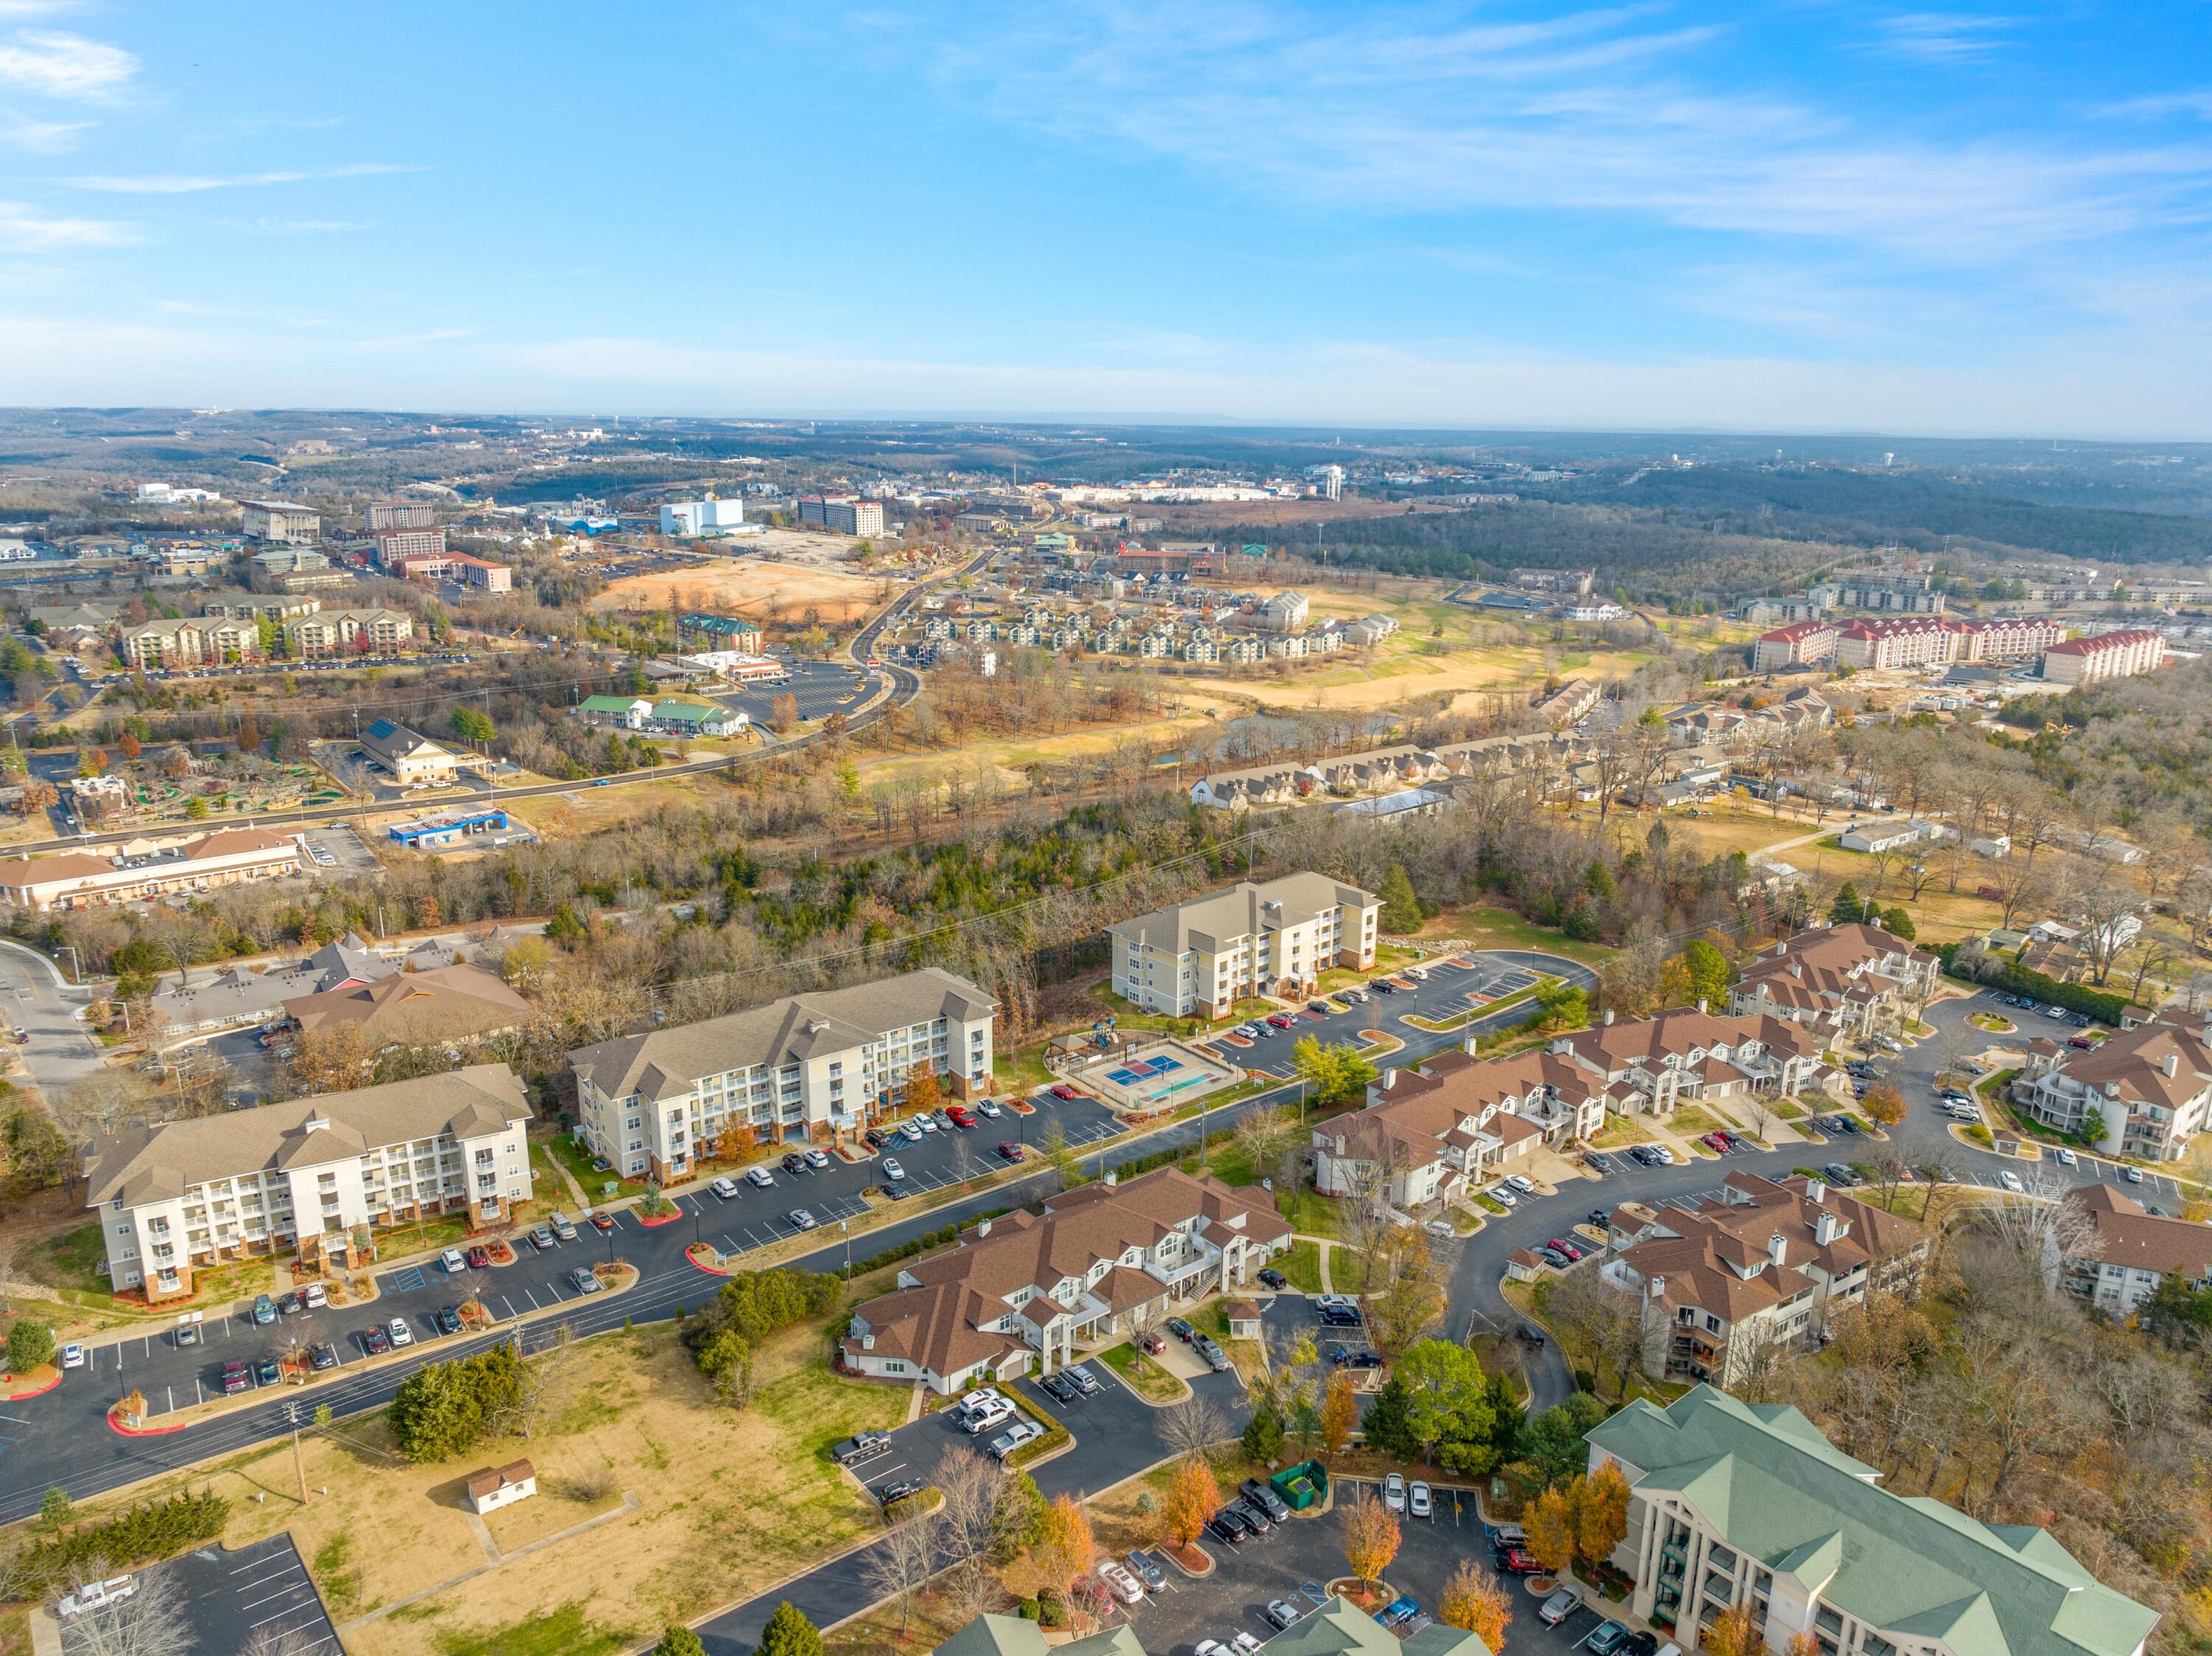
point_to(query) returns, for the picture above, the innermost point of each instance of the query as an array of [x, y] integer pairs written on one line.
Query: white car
[[1417, 1503], [988, 1419], [1393, 1492], [760, 1177], [818, 1160], [724, 1188], [317, 1298], [923, 1122], [1504, 1195], [401, 1334], [452, 1261], [2010, 1180], [985, 1398], [892, 1171], [2067, 1158], [94, 1594], [2133, 1175], [1126, 1587], [989, 1107], [1666, 1156], [1245, 1644], [1521, 1182], [909, 1132], [72, 1355]]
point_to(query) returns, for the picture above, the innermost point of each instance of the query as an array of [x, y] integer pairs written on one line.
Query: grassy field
[[1145, 1376], [725, 1498], [777, 591], [1301, 1263], [1487, 927]]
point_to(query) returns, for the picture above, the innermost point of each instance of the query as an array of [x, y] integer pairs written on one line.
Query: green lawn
[[1302, 1265], [1143, 1374], [577, 1158], [1620, 1131], [1501, 928], [1310, 1213], [70, 1260], [1021, 1071], [561, 1631]]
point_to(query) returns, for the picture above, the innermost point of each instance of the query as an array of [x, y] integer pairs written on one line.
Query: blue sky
[[1797, 215]]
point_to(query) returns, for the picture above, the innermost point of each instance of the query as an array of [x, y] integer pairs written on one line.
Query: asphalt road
[[34, 998]]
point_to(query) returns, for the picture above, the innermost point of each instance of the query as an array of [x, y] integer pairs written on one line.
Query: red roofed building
[[1844, 978], [1807, 644], [2108, 655]]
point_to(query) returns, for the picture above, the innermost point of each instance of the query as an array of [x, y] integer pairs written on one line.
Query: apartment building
[[1028, 1291], [1432, 1133], [1918, 641], [1806, 644], [459, 567], [182, 1196], [2115, 1253], [1650, 1065], [2145, 1092], [421, 541], [806, 1067], [2017, 639], [2108, 655], [1914, 595], [1847, 980], [194, 642], [1732, 1502], [281, 523], [340, 632], [399, 514], [1764, 1264], [1285, 612], [256, 606], [1201, 957], [408, 757], [1571, 701], [842, 514], [83, 879]]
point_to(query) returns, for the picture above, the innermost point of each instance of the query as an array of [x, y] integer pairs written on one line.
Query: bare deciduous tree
[[1193, 1426], [152, 1621]]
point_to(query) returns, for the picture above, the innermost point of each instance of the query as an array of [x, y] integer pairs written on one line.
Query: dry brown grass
[[765, 591], [727, 1498]]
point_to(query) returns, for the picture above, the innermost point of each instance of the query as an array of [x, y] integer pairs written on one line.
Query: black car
[[1845, 1124], [1639, 1643], [1349, 1356], [877, 1137], [794, 1163], [905, 1488], [891, 1192], [1598, 1219], [1338, 1316], [1274, 1279], [1181, 1330], [1384, 987], [1251, 1517], [1221, 1527], [323, 1355], [1059, 1385], [1257, 1494], [447, 1318], [1597, 1164]]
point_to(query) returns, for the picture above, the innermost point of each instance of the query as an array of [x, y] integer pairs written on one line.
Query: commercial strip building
[[2108, 655], [444, 829], [1761, 1268], [669, 716], [143, 869], [181, 1196], [1733, 1503], [805, 1067], [688, 518], [1844, 979], [2144, 1092], [281, 523], [1203, 956], [1026, 1291]]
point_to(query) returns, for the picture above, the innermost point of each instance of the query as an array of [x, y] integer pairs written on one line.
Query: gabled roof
[[1242, 911], [445, 1003], [1775, 1488]]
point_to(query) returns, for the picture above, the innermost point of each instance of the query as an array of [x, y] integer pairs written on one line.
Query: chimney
[[1826, 1228], [1608, 1017], [1701, 1003], [2173, 1065], [982, 1229], [1816, 1191], [1777, 1250], [1389, 1079]]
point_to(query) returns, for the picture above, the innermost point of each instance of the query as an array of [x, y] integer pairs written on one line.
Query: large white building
[[687, 518], [1201, 957], [1734, 1503], [2146, 1092], [802, 1068], [2108, 655], [281, 523], [180, 1196]]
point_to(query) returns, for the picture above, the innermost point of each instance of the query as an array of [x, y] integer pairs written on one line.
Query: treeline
[[148, 1531]]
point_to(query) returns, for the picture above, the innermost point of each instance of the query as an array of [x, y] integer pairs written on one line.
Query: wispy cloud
[[25, 229], [293, 226], [58, 65], [187, 184], [1940, 37], [2158, 105], [45, 138], [1596, 110]]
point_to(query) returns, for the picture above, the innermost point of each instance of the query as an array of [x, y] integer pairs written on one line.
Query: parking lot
[[232, 1599]]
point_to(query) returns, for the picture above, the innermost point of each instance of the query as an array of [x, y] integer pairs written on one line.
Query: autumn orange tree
[[1371, 1538], [1064, 1547], [1803, 1644], [1736, 1633], [1474, 1602], [1194, 1496], [1600, 1507], [922, 1089], [1339, 1414], [1883, 1105], [1550, 1523]]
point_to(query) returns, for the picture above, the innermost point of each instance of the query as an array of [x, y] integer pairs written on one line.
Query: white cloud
[[64, 65], [1940, 37], [266, 226], [187, 184], [45, 138], [24, 229], [2157, 105]]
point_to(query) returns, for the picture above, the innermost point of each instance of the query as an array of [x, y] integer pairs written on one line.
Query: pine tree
[[1401, 909], [1849, 908], [789, 1633], [1263, 1436], [679, 1641], [1390, 1422]]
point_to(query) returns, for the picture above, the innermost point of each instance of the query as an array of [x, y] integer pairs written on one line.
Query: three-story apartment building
[[805, 1067], [2145, 1092], [1201, 957], [1847, 980], [181, 1196]]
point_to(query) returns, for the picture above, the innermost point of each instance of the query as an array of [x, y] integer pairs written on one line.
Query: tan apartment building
[[1199, 958]]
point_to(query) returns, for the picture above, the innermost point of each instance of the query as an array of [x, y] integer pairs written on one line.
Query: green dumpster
[[1301, 1486]]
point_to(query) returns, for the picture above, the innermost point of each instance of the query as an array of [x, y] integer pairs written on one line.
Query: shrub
[[448, 1407], [153, 1530], [29, 1344]]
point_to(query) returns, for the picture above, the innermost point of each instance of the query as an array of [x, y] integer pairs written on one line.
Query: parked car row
[[1255, 1510], [1725, 1143]]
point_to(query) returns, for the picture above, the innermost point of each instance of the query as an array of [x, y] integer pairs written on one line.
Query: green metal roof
[[1779, 1491]]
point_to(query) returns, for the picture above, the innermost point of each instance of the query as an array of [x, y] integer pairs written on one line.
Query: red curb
[[143, 1431], [36, 1391], [710, 1269], [666, 1219]]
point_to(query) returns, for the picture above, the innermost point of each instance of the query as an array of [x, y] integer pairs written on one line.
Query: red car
[[1567, 1248], [1281, 1020], [1061, 1090], [1154, 1343], [1518, 1563], [961, 1114], [603, 1220], [1012, 1151], [479, 1259]]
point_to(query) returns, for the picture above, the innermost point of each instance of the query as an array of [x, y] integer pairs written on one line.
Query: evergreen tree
[[789, 1633], [1849, 908], [1898, 923], [1389, 1421], [1401, 909], [679, 1641], [1263, 1437]]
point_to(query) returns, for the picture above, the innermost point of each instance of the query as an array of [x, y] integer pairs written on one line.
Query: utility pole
[[298, 1465]]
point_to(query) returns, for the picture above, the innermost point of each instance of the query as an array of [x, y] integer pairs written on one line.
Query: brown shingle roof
[[491, 1480], [2126, 1235]]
